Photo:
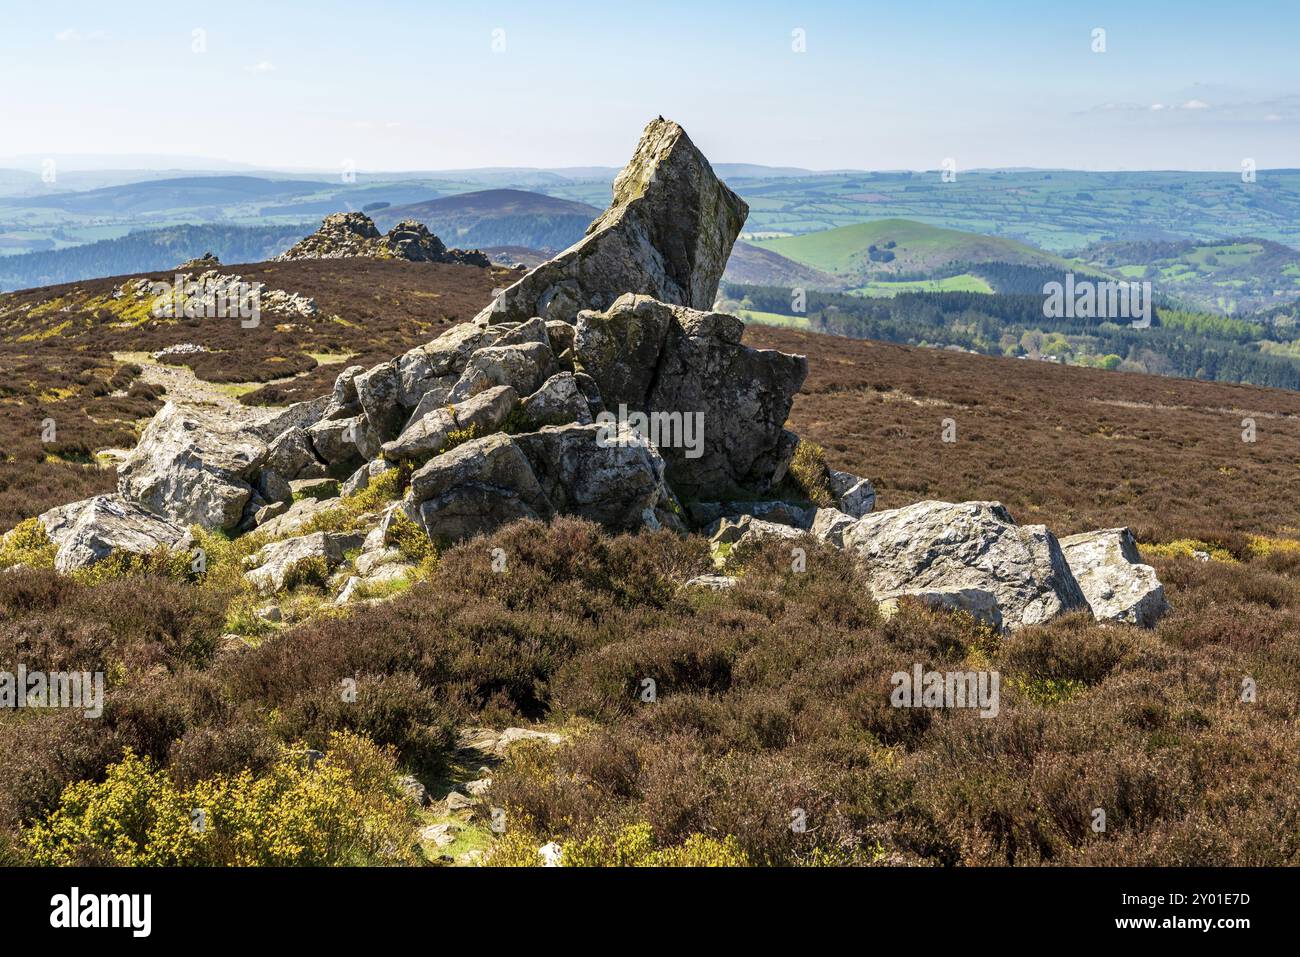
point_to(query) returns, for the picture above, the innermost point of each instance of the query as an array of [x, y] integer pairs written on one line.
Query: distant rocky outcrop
[[667, 235], [206, 261], [354, 235]]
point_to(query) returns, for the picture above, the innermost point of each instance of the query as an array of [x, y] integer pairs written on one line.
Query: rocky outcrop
[[87, 532], [1110, 572], [354, 235], [944, 547], [721, 404], [667, 234]]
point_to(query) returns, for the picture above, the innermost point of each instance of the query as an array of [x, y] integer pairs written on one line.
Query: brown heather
[[773, 698]]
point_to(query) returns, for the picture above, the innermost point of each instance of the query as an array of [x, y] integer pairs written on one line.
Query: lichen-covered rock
[[89, 531], [281, 564], [486, 411], [193, 466], [361, 478], [431, 433], [855, 496], [944, 547], [291, 455], [494, 463], [829, 526], [668, 234], [378, 393], [615, 483], [558, 401], [523, 366], [340, 442], [425, 436], [715, 408], [1110, 572]]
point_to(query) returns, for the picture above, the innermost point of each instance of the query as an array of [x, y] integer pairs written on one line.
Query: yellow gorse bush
[[344, 808]]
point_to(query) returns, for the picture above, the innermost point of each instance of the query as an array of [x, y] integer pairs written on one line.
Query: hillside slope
[[894, 249], [497, 217]]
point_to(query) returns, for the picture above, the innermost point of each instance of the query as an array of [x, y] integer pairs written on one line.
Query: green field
[[773, 319], [899, 250], [964, 282]]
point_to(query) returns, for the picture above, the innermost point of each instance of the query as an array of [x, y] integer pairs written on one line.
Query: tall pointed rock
[[667, 234]]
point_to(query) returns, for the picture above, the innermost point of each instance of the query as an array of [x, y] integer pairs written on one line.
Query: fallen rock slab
[[945, 547], [89, 531], [1116, 584]]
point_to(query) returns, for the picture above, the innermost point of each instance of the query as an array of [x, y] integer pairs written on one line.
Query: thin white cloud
[[1195, 105], [266, 66]]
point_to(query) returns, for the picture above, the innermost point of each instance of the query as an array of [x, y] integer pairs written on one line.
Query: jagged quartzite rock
[[668, 234], [427, 373], [829, 525], [716, 408], [559, 401], [486, 411], [378, 391], [1117, 585], [431, 433], [291, 455], [476, 487], [940, 546], [89, 531], [855, 496], [275, 565], [523, 366], [615, 483], [412, 240], [344, 441], [340, 235], [360, 479], [193, 466], [425, 436], [745, 530]]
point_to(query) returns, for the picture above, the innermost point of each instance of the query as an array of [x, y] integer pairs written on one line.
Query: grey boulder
[[193, 465], [1117, 585], [941, 546], [559, 401], [274, 566], [89, 531]]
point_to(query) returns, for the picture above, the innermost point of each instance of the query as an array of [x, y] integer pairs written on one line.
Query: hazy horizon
[[825, 85]]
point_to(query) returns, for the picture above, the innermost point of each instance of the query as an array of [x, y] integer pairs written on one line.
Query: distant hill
[[755, 266], [899, 248], [1231, 276], [171, 194], [497, 217], [150, 250]]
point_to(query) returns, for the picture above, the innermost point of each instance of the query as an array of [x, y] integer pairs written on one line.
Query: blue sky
[[407, 85]]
